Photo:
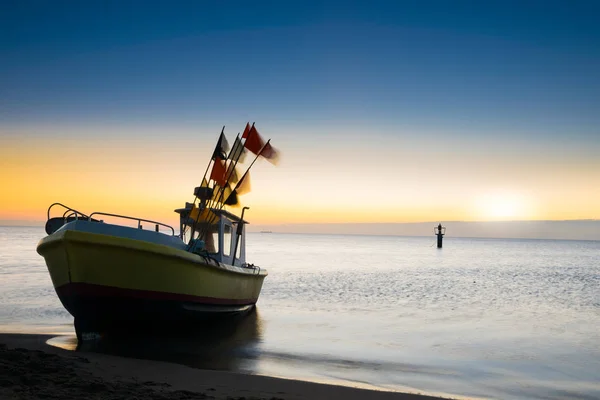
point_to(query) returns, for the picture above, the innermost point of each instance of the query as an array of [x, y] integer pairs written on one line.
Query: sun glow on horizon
[[503, 205], [328, 183]]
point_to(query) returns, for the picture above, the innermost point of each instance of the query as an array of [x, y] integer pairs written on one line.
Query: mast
[[197, 192]]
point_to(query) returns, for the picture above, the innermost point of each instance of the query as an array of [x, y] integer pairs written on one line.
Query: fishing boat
[[135, 272]]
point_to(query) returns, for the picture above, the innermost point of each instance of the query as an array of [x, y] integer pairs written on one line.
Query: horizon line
[[459, 236], [436, 221], [15, 222]]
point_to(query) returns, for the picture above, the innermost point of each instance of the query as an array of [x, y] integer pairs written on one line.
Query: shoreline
[[33, 369]]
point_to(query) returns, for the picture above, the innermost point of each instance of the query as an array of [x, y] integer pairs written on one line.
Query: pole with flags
[[221, 202], [223, 173], [221, 146]]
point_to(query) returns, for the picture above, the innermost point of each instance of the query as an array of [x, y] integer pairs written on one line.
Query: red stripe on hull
[[88, 289]]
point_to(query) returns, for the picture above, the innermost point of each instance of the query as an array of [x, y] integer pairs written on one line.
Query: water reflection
[[218, 345]]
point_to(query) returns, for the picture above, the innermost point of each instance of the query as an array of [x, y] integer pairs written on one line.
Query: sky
[[382, 111]]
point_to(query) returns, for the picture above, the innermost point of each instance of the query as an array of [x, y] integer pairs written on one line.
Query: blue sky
[[474, 67], [450, 110]]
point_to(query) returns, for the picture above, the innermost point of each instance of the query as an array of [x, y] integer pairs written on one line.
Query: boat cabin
[[216, 233]]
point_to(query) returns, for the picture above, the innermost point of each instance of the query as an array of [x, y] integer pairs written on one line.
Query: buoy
[[440, 231]]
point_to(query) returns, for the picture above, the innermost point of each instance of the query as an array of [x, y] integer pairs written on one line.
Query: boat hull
[[108, 282], [101, 309]]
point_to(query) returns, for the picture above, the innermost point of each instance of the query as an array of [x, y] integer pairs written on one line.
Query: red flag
[[253, 141], [246, 130], [218, 172]]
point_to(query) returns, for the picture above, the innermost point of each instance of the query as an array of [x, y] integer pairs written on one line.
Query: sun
[[502, 206]]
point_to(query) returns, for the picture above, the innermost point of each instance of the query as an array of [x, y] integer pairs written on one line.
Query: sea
[[480, 318]]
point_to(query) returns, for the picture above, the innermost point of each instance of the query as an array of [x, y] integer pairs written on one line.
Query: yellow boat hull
[[106, 281]]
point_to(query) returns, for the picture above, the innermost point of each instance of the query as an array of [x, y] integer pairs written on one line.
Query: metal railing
[[139, 220], [72, 213], [69, 210]]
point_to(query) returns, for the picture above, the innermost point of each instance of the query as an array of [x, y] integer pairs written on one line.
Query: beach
[[32, 369]]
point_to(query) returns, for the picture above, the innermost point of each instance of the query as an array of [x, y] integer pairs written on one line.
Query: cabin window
[[238, 253], [210, 238], [227, 240], [215, 240]]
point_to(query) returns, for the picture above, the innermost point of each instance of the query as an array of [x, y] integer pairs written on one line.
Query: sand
[[31, 369]]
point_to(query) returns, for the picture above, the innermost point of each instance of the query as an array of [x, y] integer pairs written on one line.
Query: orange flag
[[218, 172]]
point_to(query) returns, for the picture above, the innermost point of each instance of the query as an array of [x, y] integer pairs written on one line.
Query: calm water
[[505, 319]]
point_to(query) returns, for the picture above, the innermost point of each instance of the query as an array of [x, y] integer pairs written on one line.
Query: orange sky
[[332, 175]]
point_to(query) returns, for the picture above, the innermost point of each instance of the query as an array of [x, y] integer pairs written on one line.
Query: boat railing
[[71, 213], [255, 268], [139, 220], [68, 210]]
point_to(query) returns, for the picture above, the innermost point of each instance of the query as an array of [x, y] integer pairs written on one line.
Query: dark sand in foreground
[[31, 369]]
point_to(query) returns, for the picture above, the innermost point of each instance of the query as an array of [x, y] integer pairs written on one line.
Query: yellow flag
[[221, 194], [205, 216], [243, 185], [231, 174]]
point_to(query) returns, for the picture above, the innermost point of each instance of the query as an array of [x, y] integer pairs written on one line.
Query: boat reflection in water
[[228, 344]]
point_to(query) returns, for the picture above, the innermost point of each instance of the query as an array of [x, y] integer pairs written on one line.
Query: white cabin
[[220, 240]]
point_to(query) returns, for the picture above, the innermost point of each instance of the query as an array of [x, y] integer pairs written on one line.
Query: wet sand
[[31, 369]]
